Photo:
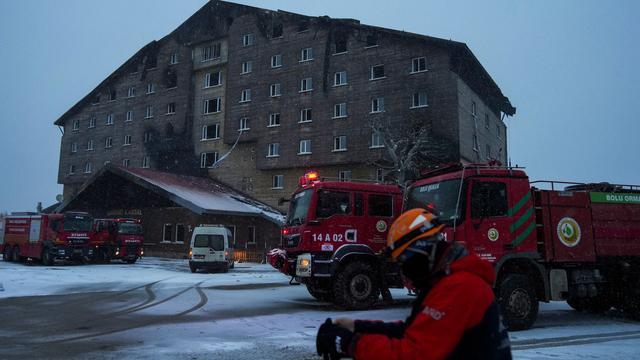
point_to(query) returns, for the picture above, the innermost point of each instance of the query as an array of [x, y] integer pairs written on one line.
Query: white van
[[211, 248]]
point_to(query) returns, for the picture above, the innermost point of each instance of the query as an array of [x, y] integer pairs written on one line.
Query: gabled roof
[[199, 194]]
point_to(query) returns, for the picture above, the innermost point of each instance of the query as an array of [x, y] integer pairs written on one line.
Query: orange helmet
[[409, 227]]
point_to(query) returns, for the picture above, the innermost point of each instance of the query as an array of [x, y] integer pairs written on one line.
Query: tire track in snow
[[573, 340], [203, 301]]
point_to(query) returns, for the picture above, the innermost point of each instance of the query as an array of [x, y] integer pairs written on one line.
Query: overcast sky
[[570, 68]]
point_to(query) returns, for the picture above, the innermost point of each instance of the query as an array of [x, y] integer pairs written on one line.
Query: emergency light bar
[[308, 178]]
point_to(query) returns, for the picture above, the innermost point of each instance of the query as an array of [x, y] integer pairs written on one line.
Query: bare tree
[[411, 146]]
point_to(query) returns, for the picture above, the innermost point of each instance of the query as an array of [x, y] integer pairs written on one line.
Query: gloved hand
[[333, 341]]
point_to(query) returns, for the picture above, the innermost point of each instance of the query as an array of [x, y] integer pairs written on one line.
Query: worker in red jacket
[[455, 315]]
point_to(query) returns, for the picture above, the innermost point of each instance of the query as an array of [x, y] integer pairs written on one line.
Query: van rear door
[[208, 247]]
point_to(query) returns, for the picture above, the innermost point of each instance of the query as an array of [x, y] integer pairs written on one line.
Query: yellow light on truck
[[305, 263], [190, 253]]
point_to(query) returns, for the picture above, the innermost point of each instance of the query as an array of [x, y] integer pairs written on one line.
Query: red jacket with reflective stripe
[[455, 304]]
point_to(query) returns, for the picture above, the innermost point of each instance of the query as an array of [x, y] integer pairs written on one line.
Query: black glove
[[333, 341]]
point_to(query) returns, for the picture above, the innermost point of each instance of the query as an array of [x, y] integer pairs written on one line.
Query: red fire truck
[[332, 232], [117, 239], [580, 243], [47, 237]]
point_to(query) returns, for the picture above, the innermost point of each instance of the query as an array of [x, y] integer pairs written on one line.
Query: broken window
[[277, 30], [377, 72], [168, 131], [340, 44], [96, 99], [303, 25], [112, 94], [372, 40], [172, 79]]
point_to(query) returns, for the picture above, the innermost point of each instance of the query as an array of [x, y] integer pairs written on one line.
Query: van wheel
[[7, 254], [16, 254], [518, 302], [233, 264], [47, 259], [193, 268], [356, 286]]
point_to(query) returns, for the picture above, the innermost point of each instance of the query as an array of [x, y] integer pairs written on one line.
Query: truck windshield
[[299, 208], [78, 223], [129, 229], [440, 196], [216, 242]]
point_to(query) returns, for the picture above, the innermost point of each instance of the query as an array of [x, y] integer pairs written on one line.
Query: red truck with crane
[[119, 239], [569, 241], [331, 235], [47, 237]]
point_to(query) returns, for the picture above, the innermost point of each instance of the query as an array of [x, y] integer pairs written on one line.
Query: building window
[[274, 150], [275, 90], [380, 175], [377, 72], [276, 61], [208, 159], [171, 108], [96, 99], [377, 105], [148, 113], [340, 44], [110, 119], [211, 52], [72, 169], [76, 125], [179, 233], [419, 99], [276, 31], [340, 110], [90, 145], [306, 54], [486, 121], [127, 140], [171, 79], [372, 40], [252, 235], [131, 92], [88, 167], [151, 88], [247, 40], [247, 67], [212, 106], [340, 78], [210, 132], [274, 119], [145, 162], [129, 116], [306, 84], [340, 143], [167, 232], [174, 58], [125, 162], [147, 137], [92, 122], [473, 109], [498, 133], [112, 94], [74, 147], [418, 65], [244, 124], [245, 96], [212, 79], [344, 175], [277, 182], [305, 147], [376, 140], [108, 142], [303, 25], [305, 115]]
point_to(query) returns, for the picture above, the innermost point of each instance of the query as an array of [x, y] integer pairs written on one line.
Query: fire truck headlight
[[304, 263]]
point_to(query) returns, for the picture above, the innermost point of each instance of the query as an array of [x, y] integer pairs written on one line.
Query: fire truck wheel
[[518, 301], [47, 260], [132, 261], [356, 286], [7, 254], [16, 254], [576, 304], [322, 294], [630, 303]]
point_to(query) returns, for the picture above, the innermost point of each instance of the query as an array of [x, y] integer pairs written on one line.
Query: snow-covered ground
[[157, 309]]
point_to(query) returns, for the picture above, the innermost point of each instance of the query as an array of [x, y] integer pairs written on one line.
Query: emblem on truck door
[[381, 226], [569, 232], [493, 234]]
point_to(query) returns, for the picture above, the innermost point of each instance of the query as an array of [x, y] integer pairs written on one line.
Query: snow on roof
[[199, 194]]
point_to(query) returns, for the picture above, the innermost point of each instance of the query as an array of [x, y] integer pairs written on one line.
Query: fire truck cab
[[118, 239], [331, 236]]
